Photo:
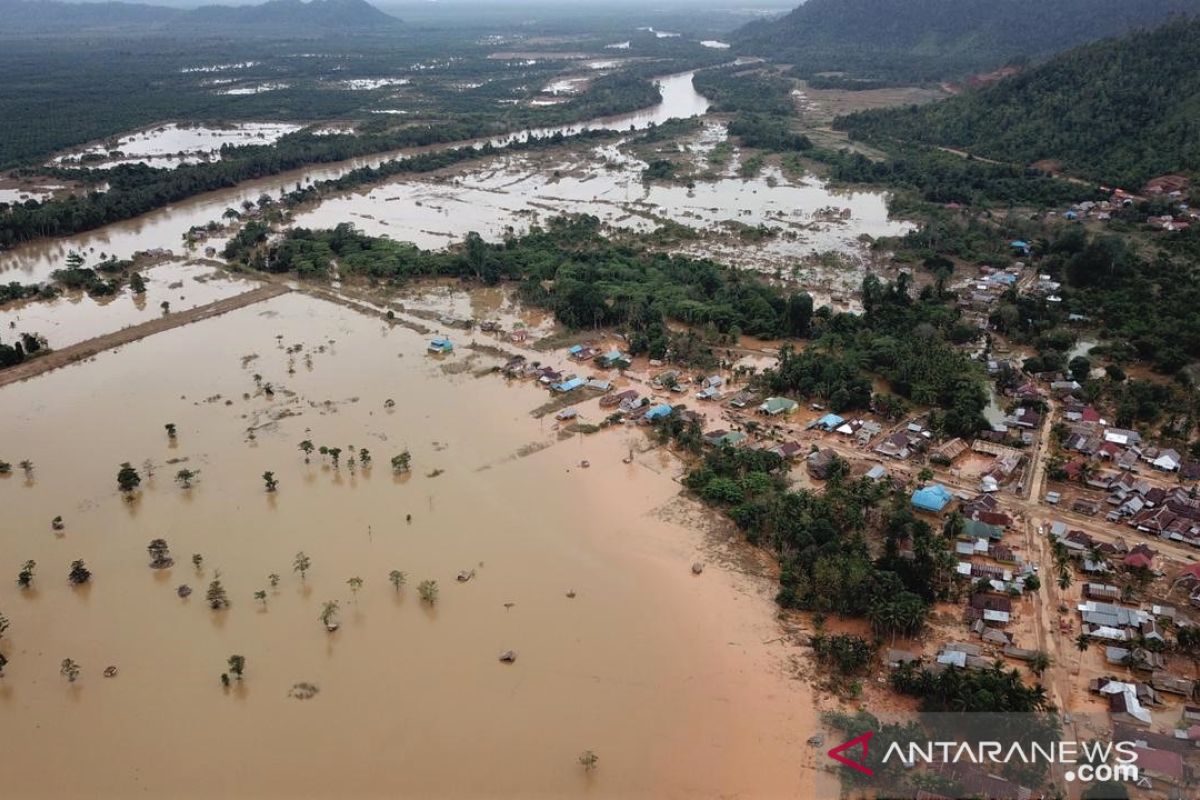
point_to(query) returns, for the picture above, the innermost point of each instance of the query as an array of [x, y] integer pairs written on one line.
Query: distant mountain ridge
[[1120, 110], [52, 16], [937, 39]]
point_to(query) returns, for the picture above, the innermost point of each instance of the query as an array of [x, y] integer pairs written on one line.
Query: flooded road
[[671, 679]]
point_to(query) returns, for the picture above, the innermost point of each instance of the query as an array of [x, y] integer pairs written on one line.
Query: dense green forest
[[821, 539], [927, 40], [1119, 111]]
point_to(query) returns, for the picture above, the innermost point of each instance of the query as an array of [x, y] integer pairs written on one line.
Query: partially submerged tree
[[69, 670], [79, 573], [216, 596], [128, 478], [428, 590], [402, 462], [3, 624], [274, 579], [364, 457], [160, 554], [334, 454], [301, 563], [237, 666], [355, 584], [269, 479], [588, 760], [197, 561], [397, 578], [328, 616], [27, 467], [307, 447], [261, 596], [185, 477], [171, 432], [25, 576]]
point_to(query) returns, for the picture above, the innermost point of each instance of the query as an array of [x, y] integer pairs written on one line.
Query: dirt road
[[84, 350]]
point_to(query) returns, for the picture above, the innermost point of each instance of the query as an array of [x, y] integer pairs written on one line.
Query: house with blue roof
[[933, 498], [1020, 246], [658, 412], [441, 344], [830, 422], [568, 385]]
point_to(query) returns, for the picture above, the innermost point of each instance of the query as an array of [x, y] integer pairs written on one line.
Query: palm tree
[[307, 447], [1040, 662], [25, 576], [269, 479], [1082, 642], [397, 578], [301, 564], [328, 617], [69, 670], [185, 477]]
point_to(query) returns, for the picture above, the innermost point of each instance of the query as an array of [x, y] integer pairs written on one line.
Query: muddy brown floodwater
[[677, 682]]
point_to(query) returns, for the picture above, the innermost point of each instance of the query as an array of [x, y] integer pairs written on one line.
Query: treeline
[[929, 40], [940, 177], [821, 540], [595, 282], [734, 89], [27, 345], [1119, 111]]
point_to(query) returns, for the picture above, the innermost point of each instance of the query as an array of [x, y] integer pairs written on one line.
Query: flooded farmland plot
[[174, 144], [75, 316], [583, 572]]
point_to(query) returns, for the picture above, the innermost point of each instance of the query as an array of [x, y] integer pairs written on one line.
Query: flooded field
[[74, 316], [676, 681], [173, 144], [806, 216]]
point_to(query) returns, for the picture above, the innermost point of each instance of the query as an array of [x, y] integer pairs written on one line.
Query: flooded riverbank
[[663, 674]]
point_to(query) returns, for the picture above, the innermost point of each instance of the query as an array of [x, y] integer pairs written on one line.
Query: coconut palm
[[301, 563], [1082, 642]]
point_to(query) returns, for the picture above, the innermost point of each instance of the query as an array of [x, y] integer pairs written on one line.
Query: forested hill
[[1120, 110], [275, 16], [908, 40]]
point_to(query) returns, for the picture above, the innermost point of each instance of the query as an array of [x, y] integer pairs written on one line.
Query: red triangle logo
[[854, 763]]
